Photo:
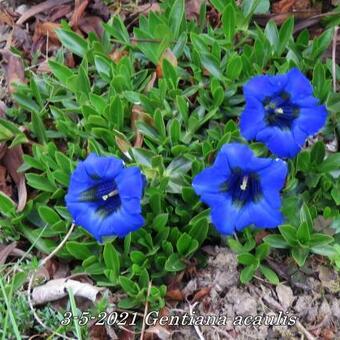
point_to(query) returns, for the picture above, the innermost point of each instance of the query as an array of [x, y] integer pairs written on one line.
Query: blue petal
[[224, 216], [298, 85], [132, 205], [261, 214], [306, 102], [261, 86], [252, 118], [241, 156], [280, 142], [84, 215], [102, 167], [209, 180], [130, 183], [311, 120], [121, 223], [273, 177]]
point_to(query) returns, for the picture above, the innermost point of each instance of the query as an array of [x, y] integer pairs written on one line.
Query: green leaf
[[72, 41], [331, 163], [174, 263], [300, 255], [305, 216], [111, 258], [103, 67], [60, 71], [79, 250], [247, 259], [38, 127], [276, 241], [250, 7], [234, 67], [186, 245], [176, 17], [247, 273], [269, 275], [318, 152], [303, 161], [130, 287], [211, 65], [48, 215], [39, 182], [218, 4], [262, 251], [335, 193], [289, 234], [118, 29], [285, 34], [7, 205], [324, 250], [229, 22], [160, 221], [128, 303], [303, 233], [199, 230], [319, 239], [174, 131]]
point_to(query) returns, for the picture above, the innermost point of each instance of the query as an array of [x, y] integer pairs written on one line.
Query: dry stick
[[197, 329], [304, 331], [145, 310], [334, 57], [29, 288]]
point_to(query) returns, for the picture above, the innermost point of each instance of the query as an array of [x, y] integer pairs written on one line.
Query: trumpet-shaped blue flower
[[242, 189], [281, 112], [104, 197]]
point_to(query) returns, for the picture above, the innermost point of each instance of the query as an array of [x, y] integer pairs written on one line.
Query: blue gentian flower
[[281, 112], [104, 197], [242, 189]]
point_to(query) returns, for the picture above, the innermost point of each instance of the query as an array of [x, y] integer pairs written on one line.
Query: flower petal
[[311, 120], [298, 85], [102, 167], [263, 86], [273, 177], [241, 156], [252, 118], [224, 216], [209, 181], [130, 183], [280, 142], [261, 214], [120, 223]]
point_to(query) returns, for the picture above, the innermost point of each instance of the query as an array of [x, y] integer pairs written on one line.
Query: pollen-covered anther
[[110, 194], [243, 186], [279, 111]]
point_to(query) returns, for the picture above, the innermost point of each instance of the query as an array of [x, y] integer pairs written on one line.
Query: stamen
[[111, 194], [279, 110], [244, 183]]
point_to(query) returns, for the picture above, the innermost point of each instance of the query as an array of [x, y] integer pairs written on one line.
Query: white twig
[[197, 329], [145, 310], [334, 57], [30, 283], [304, 331]]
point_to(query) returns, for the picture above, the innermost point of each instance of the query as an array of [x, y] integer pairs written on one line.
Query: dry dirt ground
[[315, 303]]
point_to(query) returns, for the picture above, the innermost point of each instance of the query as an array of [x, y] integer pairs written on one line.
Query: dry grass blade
[[14, 70], [12, 161], [6, 251], [42, 7], [78, 12], [56, 289]]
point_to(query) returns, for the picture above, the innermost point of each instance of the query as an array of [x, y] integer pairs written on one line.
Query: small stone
[[285, 295]]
